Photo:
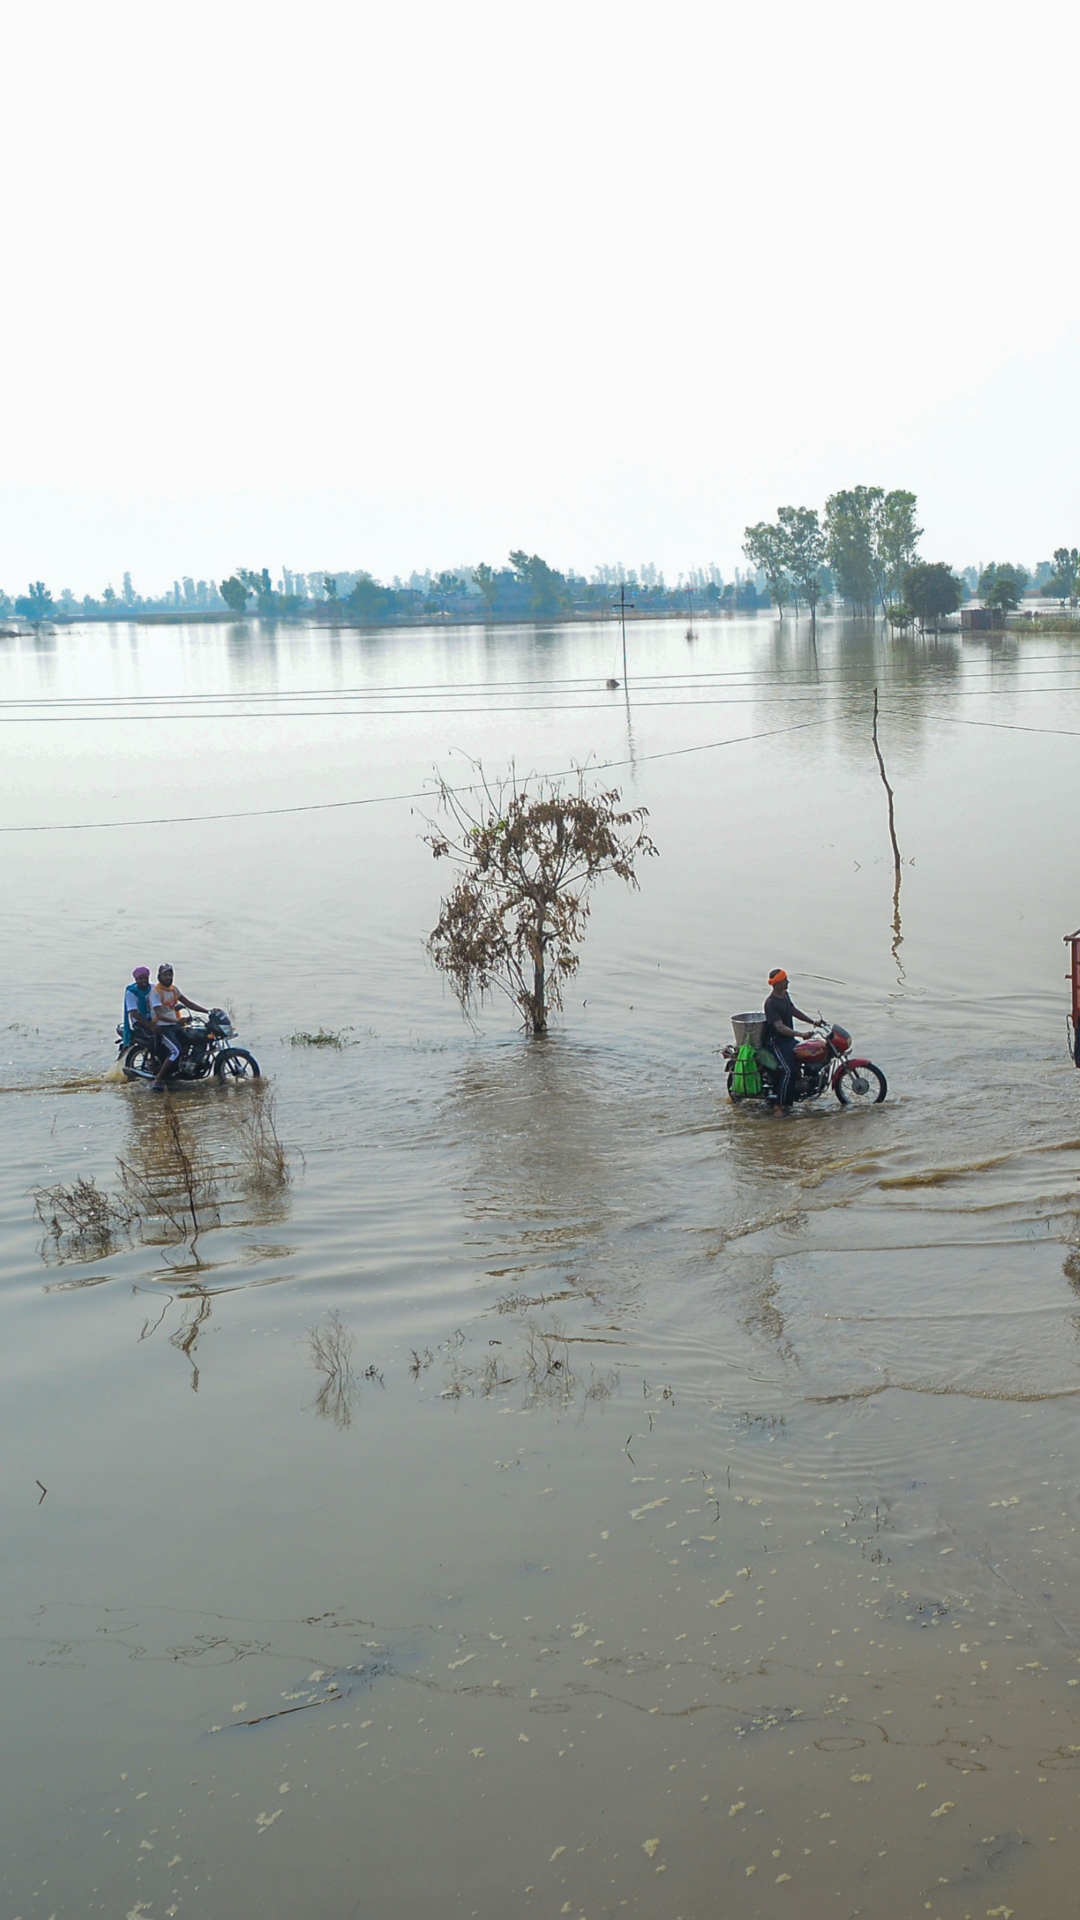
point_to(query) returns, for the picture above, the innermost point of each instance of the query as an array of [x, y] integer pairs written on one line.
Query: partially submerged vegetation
[[263, 1160], [81, 1221], [527, 863], [168, 1176], [1048, 623], [174, 1181], [325, 1037]]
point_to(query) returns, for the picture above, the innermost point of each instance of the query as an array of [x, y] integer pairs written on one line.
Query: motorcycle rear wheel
[[236, 1063], [860, 1086], [139, 1062]]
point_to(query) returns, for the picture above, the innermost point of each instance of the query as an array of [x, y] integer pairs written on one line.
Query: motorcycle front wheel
[[860, 1086], [139, 1062], [236, 1064]]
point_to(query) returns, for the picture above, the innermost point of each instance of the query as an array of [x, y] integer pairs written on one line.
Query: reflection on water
[[595, 1495], [332, 1348]]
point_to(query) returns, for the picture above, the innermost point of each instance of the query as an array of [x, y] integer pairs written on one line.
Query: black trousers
[[785, 1053]]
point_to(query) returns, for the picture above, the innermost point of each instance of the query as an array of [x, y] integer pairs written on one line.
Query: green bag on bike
[[746, 1074]]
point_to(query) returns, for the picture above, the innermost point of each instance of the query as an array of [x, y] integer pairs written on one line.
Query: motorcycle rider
[[166, 1001], [137, 1005], [780, 1035]]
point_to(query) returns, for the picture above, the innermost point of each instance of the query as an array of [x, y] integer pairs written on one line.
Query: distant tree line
[[526, 588], [862, 550]]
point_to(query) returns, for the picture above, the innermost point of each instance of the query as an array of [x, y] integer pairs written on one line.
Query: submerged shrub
[[82, 1222], [324, 1038]]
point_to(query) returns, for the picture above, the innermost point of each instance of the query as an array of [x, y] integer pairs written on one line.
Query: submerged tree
[[528, 861], [931, 590], [766, 548], [1062, 582], [803, 546], [851, 528], [897, 541], [1002, 587]]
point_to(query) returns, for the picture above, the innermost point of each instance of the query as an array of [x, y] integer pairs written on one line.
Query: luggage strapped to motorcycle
[[746, 1074]]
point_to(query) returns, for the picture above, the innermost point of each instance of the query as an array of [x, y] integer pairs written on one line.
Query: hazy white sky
[[345, 284]]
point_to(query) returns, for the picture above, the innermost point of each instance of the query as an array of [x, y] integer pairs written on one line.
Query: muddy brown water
[[683, 1519]]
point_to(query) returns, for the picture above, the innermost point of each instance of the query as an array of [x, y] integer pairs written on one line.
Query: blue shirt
[[137, 1002]]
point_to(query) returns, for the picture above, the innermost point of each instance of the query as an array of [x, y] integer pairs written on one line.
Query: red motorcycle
[[823, 1059]]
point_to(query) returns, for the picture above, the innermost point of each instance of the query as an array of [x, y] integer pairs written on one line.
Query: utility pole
[[622, 622]]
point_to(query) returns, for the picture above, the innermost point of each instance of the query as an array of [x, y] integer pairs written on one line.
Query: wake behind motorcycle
[[206, 1052], [822, 1060]]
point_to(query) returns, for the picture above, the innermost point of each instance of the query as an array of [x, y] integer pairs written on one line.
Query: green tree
[[803, 548], [1062, 582], [931, 591], [765, 548], [484, 578], [896, 541], [234, 593], [444, 588], [1003, 586], [368, 601], [329, 586], [548, 591], [36, 603], [851, 533], [527, 863], [267, 602], [109, 597]]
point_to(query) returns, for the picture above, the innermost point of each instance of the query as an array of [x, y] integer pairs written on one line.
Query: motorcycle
[[822, 1059], [205, 1051]]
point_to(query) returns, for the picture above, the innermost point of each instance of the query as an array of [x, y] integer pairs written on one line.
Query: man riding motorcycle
[[780, 1036], [166, 1001]]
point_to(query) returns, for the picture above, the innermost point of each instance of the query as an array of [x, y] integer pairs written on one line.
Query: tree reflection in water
[[331, 1347]]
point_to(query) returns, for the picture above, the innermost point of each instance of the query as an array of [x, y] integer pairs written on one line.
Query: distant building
[[981, 620]]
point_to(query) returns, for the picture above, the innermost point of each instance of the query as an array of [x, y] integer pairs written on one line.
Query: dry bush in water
[[81, 1221], [331, 1347], [172, 1175], [527, 862], [169, 1176], [263, 1160]]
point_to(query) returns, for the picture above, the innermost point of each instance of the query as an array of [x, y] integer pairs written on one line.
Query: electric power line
[[382, 799]]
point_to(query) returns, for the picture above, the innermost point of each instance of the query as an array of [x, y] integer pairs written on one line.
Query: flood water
[[689, 1524]]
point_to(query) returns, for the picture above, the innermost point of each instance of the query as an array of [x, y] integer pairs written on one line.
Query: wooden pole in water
[[622, 619], [897, 933], [889, 791]]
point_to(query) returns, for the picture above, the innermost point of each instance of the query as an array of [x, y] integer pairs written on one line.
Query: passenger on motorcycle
[[166, 1001], [780, 1035], [137, 1006]]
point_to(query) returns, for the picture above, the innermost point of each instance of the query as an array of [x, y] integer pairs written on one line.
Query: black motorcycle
[[205, 1052], [823, 1059]]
